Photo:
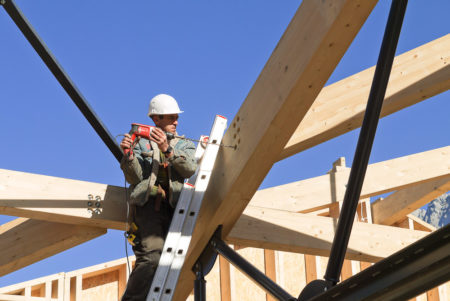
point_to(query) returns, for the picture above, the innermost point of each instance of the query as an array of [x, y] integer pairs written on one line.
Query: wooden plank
[[311, 47], [16, 288], [122, 280], [5, 297], [243, 285], [302, 196], [225, 280], [444, 291], [310, 268], [61, 200], [296, 232], [100, 287], [433, 294], [27, 291], [346, 271], [78, 287], [270, 269], [365, 265], [69, 292], [416, 75], [420, 224], [101, 268], [25, 241], [48, 290], [396, 206], [320, 192], [213, 288]]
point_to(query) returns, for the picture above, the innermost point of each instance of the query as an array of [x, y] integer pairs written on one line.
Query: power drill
[[144, 131]]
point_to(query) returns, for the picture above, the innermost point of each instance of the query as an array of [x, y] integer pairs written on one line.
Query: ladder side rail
[[160, 286], [201, 185], [176, 225]]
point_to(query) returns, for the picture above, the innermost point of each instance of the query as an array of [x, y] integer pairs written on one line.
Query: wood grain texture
[[416, 75], [396, 206], [61, 200], [309, 50], [25, 241], [301, 233], [320, 192]]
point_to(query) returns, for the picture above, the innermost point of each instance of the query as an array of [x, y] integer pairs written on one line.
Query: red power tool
[[142, 130], [138, 130]]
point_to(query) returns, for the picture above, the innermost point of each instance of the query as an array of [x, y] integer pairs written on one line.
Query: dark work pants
[[152, 231]]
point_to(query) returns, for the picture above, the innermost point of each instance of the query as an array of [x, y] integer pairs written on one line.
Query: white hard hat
[[163, 104]]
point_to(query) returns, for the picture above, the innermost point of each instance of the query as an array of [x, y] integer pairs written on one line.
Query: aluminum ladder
[[185, 216]]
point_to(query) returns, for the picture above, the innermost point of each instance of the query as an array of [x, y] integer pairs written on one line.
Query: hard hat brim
[[151, 114]]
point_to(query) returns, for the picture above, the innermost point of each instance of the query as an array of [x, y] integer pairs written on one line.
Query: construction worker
[[156, 170]]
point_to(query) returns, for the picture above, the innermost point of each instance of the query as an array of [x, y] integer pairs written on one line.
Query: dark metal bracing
[[199, 287], [247, 268], [60, 75], [365, 141], [409, 272]]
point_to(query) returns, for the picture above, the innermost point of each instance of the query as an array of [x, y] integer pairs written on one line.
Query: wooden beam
[[61, 200], [301, 233], [396, 206], [416, 75], [24, 241], [270, 269], [17, 288], [309, 50], [419, 224], [5, 297], [310, 268], [320, 192], [225, 280]]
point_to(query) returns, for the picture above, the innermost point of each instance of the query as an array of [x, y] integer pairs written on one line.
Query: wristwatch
[[168, 150]]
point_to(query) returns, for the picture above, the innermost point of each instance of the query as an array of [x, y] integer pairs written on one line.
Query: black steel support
[[203, 266], [409, 272], [199, 286], [61, 76], [247, 268], [365, 141]]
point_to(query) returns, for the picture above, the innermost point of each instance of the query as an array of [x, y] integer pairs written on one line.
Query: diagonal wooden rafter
[[381, 177], [416, 75], [396, 206], [307, 234], [24, 241], [309, 50]]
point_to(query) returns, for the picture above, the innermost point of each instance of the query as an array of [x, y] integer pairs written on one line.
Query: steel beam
[[409, 272], [365, 140]]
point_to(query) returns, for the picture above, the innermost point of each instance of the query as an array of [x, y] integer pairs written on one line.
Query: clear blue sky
[[207, 54]]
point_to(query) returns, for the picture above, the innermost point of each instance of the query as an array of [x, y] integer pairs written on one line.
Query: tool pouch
[[131, 234]]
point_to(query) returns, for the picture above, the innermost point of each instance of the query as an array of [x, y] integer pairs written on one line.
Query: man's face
[[168, 123]]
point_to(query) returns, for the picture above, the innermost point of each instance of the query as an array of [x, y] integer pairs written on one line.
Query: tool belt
[[158, 194]]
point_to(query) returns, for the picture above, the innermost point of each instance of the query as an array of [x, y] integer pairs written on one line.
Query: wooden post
[[225, 280]]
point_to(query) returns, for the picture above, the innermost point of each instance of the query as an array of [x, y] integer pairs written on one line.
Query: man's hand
[[159, 137], [126, 144]]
